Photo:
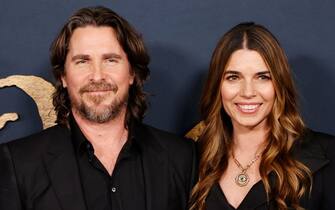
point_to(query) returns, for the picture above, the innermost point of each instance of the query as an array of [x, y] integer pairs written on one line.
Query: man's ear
[[132, 77], [64, 84]]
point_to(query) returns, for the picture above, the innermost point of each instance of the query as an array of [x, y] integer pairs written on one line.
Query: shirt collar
[[82, 145]]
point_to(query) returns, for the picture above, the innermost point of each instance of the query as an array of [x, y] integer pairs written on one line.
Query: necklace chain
[[242, 179], [249, 165]]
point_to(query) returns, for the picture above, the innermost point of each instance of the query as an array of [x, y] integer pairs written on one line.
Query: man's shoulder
[[181, 152], [168, 140], [177, 148], [37, 142]]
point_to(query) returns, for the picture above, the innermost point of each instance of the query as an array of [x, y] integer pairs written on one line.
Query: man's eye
[[81, 61], [232, 77], [111, 60]]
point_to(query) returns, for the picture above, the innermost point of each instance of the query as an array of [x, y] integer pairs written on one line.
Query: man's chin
[[98, 102], [97, 107], [99, 116], [99, 113]]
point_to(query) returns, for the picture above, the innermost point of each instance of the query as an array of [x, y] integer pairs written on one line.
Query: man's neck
[[107, 138], [102, 133]]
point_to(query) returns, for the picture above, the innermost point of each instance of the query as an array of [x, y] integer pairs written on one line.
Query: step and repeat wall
[[180, 36]]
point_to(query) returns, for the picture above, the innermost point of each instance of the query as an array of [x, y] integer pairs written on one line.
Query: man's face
[[97, 74]]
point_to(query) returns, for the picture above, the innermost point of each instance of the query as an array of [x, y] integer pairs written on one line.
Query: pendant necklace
[[242, 178]]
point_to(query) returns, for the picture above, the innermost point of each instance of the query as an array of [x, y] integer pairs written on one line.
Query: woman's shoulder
[[318, 153], [315, 149], [311, 139]]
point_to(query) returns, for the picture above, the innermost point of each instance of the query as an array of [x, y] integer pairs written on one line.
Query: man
[[100, 155]]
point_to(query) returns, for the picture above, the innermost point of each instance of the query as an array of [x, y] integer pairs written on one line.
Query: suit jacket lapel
[[154, 160], [62, 170]]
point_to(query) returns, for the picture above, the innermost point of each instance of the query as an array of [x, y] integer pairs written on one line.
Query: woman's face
[[247, 91]]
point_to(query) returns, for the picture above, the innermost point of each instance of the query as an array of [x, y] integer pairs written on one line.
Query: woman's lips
[[248, 108]]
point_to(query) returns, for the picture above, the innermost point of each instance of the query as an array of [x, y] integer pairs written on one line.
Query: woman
[[256, 152]]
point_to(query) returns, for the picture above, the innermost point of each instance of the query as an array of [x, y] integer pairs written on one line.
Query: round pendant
[[242, 179]]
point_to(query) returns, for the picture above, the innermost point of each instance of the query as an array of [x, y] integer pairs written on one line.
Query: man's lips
[[248, 108], [98, 88], [97, 91]]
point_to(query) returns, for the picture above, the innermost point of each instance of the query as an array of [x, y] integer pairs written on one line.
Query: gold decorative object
[[6, 118], [196, 131], [39, 90], [242, 178]]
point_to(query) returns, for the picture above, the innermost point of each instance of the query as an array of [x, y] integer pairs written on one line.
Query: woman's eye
[[264, 77]]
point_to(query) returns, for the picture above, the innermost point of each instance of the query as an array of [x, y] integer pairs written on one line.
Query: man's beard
[[91, 113]]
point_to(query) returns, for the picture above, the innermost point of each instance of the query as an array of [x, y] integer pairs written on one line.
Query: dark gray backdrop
[[180, 36]]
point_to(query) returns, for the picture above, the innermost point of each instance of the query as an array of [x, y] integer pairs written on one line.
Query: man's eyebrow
[[80, 56], [231, 72], [111, 55]]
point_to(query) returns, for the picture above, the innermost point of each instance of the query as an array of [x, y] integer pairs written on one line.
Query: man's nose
[[97, 72]]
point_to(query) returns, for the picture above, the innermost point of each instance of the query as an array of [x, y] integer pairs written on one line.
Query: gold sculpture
[[196, 131], [39, 90], [7, 117]]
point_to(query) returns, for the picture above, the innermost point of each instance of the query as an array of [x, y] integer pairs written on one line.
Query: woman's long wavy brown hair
[[131, 43], [292, 178]]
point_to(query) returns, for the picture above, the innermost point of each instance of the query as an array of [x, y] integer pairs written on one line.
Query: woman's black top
[[317, 152], [216, 199]]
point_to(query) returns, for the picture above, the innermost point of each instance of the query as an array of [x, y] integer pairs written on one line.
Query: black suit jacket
[[41, 172]]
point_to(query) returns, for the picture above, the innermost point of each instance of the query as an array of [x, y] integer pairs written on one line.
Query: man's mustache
[[99, 86]]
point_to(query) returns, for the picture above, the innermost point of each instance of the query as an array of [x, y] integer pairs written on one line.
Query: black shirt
[[124, 189]]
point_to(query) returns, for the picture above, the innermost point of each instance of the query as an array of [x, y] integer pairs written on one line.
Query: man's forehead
[[93, 33], [94, 39]]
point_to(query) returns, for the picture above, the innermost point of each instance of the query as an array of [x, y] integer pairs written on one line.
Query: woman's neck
[[249, 141]]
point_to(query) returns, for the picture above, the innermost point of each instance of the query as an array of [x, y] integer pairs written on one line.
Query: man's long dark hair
[[132, 45]]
